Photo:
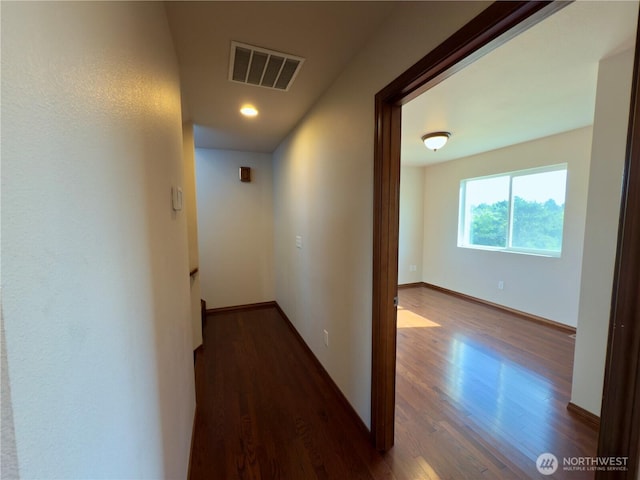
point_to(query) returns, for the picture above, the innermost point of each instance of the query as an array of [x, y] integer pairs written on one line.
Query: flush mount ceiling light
[[435, 140], [249, 111]]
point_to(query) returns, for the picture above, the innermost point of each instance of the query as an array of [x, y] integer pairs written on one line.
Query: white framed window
[[519, 211]]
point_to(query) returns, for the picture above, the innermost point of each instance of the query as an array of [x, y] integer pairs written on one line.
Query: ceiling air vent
[[263, 68]]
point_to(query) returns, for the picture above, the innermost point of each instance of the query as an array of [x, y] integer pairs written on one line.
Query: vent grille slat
[[263, 68], [241, 64], [290, 67], [258, 62], [272, 71]]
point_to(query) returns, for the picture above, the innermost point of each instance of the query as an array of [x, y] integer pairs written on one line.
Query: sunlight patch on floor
[[408, 319], [427, 469]]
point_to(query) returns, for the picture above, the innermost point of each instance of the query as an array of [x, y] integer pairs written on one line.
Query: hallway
[[265, 411]]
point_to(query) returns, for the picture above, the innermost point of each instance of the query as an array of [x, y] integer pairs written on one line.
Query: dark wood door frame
[[620, 418]]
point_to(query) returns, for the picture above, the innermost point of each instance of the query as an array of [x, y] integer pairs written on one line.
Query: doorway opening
[[494, 26]]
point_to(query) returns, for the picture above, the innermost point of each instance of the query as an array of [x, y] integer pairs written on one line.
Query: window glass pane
[[538, 210], [487, 211]]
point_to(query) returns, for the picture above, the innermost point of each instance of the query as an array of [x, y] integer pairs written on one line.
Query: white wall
[[411, 224], [323, 177], [95, 286], [601, 231], [235, 229], [191, 211], [8, 453], [544, 286]]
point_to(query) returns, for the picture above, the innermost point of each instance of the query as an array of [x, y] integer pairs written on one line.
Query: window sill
[[533, 253]]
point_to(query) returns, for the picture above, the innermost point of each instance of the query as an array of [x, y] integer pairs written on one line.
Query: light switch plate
[[176, 198]]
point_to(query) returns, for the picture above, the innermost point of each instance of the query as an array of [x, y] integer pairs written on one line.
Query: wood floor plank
[[497, 383], [479, 395], [266, 412]]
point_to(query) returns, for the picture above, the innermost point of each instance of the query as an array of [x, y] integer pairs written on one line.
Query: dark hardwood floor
[[265, 411], [480, 394]]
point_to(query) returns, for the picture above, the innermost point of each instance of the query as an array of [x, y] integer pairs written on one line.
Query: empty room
[[508, 227]]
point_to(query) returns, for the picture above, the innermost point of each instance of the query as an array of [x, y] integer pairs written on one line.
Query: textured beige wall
[[545, 286], [611, 117], [411, 225], [235, 227], [323, 177], [94, 259], [191, 210]]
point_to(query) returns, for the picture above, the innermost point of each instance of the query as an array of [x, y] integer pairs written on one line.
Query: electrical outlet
[[326, 338], [500, 285], [298, 241]]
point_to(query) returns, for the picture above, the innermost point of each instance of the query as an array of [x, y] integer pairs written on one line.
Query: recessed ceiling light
[[249, 111]]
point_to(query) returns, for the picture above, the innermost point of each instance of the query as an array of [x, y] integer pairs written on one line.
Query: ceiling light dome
[[435, 140]]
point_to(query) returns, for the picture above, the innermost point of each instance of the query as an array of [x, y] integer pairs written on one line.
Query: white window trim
[[464, 216]]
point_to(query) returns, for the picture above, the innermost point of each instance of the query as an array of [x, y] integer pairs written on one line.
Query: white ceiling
[[326, 34], [540, 83]]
